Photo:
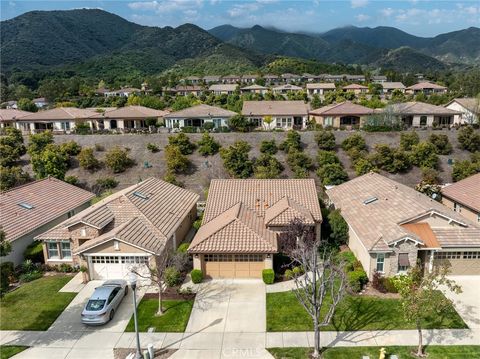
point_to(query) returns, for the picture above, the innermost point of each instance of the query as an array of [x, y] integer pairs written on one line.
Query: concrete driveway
[[467, 303]]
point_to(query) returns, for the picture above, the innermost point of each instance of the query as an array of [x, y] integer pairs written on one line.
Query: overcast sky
[[421, 18]]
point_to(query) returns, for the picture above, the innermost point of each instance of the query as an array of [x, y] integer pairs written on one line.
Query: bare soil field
[[205, 168]]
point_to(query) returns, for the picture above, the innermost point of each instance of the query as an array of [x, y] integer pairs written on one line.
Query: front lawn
[[8, 351], [285, 313], [434, 352], [35, 305], [174, 319]]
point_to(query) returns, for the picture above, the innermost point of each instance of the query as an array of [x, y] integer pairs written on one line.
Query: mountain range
[[93, 42]]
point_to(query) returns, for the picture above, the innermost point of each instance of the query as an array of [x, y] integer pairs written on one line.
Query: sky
[[417, 17]]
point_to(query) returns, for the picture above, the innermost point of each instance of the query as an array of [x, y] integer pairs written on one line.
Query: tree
[[11, 147], [469, 139], [332, 174], [442, 143], [389, 159], [236, 161], [338, 228], [424, 154], [326, 157], [117, 159], [87, 160], [321, 290], [293, 140], [182, 141], [354, 141], [268, 147], [71, 148], [267, 121], [50, 162], [316, 102], [38, 142], [408, 140], [207, 146], [11, 177], [5, 245], [299, 162], [240, 123], [421, 296], [464, 169], [364, 165], [26, 104], [325, 140], [267, 166], [177, 162]]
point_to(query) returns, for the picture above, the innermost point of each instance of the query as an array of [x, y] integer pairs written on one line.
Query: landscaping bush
[[338, 228], [236, 161], [82, 129], [325, 140], [354, 141], [469, 139], [424, 154], [183, 142], [6, 271], [39, 141], [464, 169], [268, 147], [172, 277], [388, 284], [34, 252], [87, 159], [364, 165], [267, 166], [30, 276], [152, 147], [50, 162], [65, 268], [177, 162], [348, 258], [268, 276], [389, 159], [289, 274], [207, 146], [441, 142], [117, 159], [327, 157], [356, 280], [182, 248], [293, 140], [73, 180], [408, 140], [71, 148], [106, 183], [332, 174], [298, 271], [197, 276], [197, 224], [378, 281]]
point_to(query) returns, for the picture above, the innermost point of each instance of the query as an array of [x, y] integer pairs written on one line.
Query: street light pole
[[133, 285]]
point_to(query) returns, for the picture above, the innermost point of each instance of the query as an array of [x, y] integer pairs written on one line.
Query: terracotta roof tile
[[344, 108], [273, 108], [465, 192], [201, 111]]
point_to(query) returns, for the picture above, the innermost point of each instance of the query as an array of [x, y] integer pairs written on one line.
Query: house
[[468, 107], [231, 79], [319, 88], [289, 78], [341, 114], [186, 90], [223, 89], [10, 105], [124, 118], [127, 229], [284, 89], [334, 78], [262, 90], [9, 117], [40, 102], [249, 79], [271, 79], [420, 114], [391, 226], [283, 114], [194, 80], [379, 79], [355, 78], [33, 208], [123, 92], [389, 87], [211, 79], [356, 89], [464, 197], [306, 77], [243, 221], [427, 88], [198, 116]]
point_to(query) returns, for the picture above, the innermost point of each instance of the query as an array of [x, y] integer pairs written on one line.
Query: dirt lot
[[206, 168]]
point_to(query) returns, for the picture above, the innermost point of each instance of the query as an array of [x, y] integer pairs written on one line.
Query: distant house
[[463, 197], [194, 80], [334, 78], [33, 208], [123, 92], [223, 89], [186, 90], [125, 230], [124, 118], [356, 89], [211, 79], [262, 90], [389, 87], [40, 102], [311, 78], [427, 88], [198, 116], [341, 114], [469, 108], [420, 114], [319, 88], [355, 78], [271, 79], [392, 226], [284, 114], [379, 79], [289, 78], [231, 79], [284, 89], [9, 117], [249, 79], [10, 105]]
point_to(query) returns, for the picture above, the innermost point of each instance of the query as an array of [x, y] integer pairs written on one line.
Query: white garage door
[[117, 267]]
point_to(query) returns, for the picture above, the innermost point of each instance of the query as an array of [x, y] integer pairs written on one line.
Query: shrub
[[268, 147], [240, 123], [429, 176], [182, 141], [299, 159], [378, 281], [65, 268], [293, 140], [325, 140], [117, 159], [267, 166], [424, 154], [30, 276], [176, 161], [197, 224], [196, 275], [106, 183], [464, 169], [207, 146], [6, 271], [236, 161], [390, 159], [82, 129], [50, 162], [338, 228], [364, 165], [408, 140], [71, 148], [152, 147], [87, 159], [34, 252], [39, 141], [172, 277], [182, 248], [348, 258], [326, 157], [288, 274], [11, 177], [356, 280], [298, 270], [268, 276], [441, 142], [354, 141], [332, 174], [388, 284], [469, 139]]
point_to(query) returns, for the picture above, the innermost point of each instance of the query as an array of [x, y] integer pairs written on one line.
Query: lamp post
[[133, 284]]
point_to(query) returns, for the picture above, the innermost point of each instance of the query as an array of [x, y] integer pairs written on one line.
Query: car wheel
[[112, 313], [126, 291]]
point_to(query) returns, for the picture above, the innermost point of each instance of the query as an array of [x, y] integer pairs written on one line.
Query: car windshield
[[95, 304]]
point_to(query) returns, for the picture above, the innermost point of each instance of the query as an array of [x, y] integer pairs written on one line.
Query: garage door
[[462, 263], [116, 267], [234, 265]]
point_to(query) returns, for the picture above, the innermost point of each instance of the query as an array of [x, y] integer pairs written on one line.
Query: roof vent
[[26, 205], [140, 195], [370, 200]]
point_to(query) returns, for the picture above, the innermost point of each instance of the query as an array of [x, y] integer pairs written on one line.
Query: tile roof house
[[420, 114], [33, 208], [284, 114], [8, 117], [223, 89], [391, 226], [254, 89], [464, 197], [319, 88], [243, 220], [356, 89], [127, 228], [389, 87], [124, 118], [468, 107], [426, 88], [341, 114], [198, 116], [286, 88]]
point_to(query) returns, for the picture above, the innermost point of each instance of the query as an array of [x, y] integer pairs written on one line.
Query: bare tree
[[322, 287]]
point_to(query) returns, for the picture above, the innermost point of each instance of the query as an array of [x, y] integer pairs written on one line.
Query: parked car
[[103, 303]]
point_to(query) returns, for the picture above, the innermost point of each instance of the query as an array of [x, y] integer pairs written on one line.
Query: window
[[66, 126], [423, 120], [66, 251], [471, 255], [448, 255], [328, 121], [457, 207], [403, 262], [380, 262], [52, 248], [113, 294]]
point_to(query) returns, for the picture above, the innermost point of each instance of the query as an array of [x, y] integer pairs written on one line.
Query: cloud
[[362, 17], [387, 12], [165, 6], [238, 10], [358, 3]]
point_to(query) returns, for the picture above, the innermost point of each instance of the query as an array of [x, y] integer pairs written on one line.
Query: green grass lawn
[[434, 352], [8, 351], [174, 319], [35, 305], [285, 313]]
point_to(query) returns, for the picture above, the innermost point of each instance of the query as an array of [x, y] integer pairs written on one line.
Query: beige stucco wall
[[464, 211], [108, 247], [184, 227], [359, 250]]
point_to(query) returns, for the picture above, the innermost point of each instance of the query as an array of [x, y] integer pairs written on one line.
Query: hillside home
[[306, 77], [284, 89], [192, 80], [211, 79], [392, 226], [124, 118], [282, 114], [427, 88], [243, 222], [186, 90], [223, 89], [389, 87], [379, 79], [271, 79], [334, 78], [40, 102], [341, 114], [289, 78], [10, 105], [468, 107], [319, 88], [123, 92], [127, 229], [198, 116], [249, 79], [355, 78], [463, 197], [262, 90], [231, 79], [9, 117], [419, 114], [33, 208], [356, 89]]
